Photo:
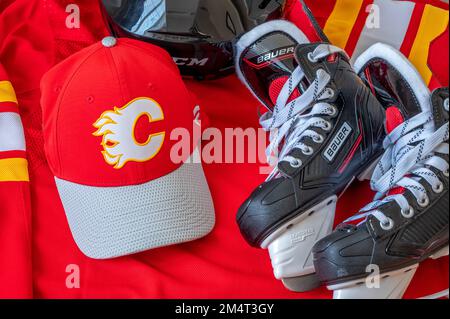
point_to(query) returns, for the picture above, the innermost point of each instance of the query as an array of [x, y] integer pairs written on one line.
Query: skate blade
[[440, 253], [290, 245], [391, 285], [439, 295], [303, 283]]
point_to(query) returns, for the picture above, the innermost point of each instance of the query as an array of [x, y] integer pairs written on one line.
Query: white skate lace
[[410, 154], [290, 121]]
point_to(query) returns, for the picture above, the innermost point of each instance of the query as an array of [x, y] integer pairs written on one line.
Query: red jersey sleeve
[[15, 216]]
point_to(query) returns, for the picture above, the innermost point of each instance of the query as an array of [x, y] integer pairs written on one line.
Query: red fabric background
[[222, 265]]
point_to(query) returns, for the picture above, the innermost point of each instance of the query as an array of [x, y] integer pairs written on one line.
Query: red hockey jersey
[[38, 255]]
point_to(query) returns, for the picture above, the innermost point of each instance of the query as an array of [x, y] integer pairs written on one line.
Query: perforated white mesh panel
[[108, 222]]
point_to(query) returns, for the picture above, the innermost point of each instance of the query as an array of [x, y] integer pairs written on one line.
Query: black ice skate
[[326, 129], [408, 220]]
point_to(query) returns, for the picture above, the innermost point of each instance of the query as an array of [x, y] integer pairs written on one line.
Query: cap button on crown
[[109, 42]]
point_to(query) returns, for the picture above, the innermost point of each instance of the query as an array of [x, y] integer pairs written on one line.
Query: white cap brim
[[108, 222]]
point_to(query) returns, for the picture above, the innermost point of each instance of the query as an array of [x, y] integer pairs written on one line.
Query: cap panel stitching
[[59, 100]]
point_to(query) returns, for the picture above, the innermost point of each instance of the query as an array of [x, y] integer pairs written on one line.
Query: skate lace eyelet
[[439, 188], [446, 173], [327, 127], [408, 213], [335, 111], [318, 139], [387, 225], [295, 163], [308, 151], [424, 201], [446, 104], [311, 58], [346, 228], [329, 93]]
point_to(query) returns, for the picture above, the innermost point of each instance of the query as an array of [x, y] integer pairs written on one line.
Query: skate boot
[[326, 129], [376, 253]]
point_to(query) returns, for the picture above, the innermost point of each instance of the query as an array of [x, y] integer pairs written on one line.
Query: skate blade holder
[[390, 285], [291, 244]]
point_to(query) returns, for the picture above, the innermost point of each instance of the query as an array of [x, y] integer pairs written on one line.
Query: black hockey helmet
[[199, 34]]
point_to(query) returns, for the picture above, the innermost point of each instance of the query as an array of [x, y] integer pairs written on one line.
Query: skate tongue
[[440, 106], [440, 115], [394, 118], [266, 59], [277, 85]]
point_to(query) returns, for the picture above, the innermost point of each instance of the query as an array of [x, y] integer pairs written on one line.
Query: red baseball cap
[[108, 114]]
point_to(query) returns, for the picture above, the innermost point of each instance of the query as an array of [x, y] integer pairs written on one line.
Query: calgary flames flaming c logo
[[117, 127]]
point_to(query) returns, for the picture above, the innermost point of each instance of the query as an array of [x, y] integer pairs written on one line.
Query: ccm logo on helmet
[[117, 127], [337, 142], [190, 61]]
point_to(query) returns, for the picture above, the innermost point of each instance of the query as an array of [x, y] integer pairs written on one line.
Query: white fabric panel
[[393, 25], [108, 222], [11, 132]]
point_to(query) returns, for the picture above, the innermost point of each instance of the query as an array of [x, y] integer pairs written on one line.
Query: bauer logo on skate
[[302, 235], [118, 130], [337, 142], [267, 58]]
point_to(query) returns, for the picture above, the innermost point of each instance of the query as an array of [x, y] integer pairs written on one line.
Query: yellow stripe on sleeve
[[7, 93], [339, 25], [14, 170], [433, 23]]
